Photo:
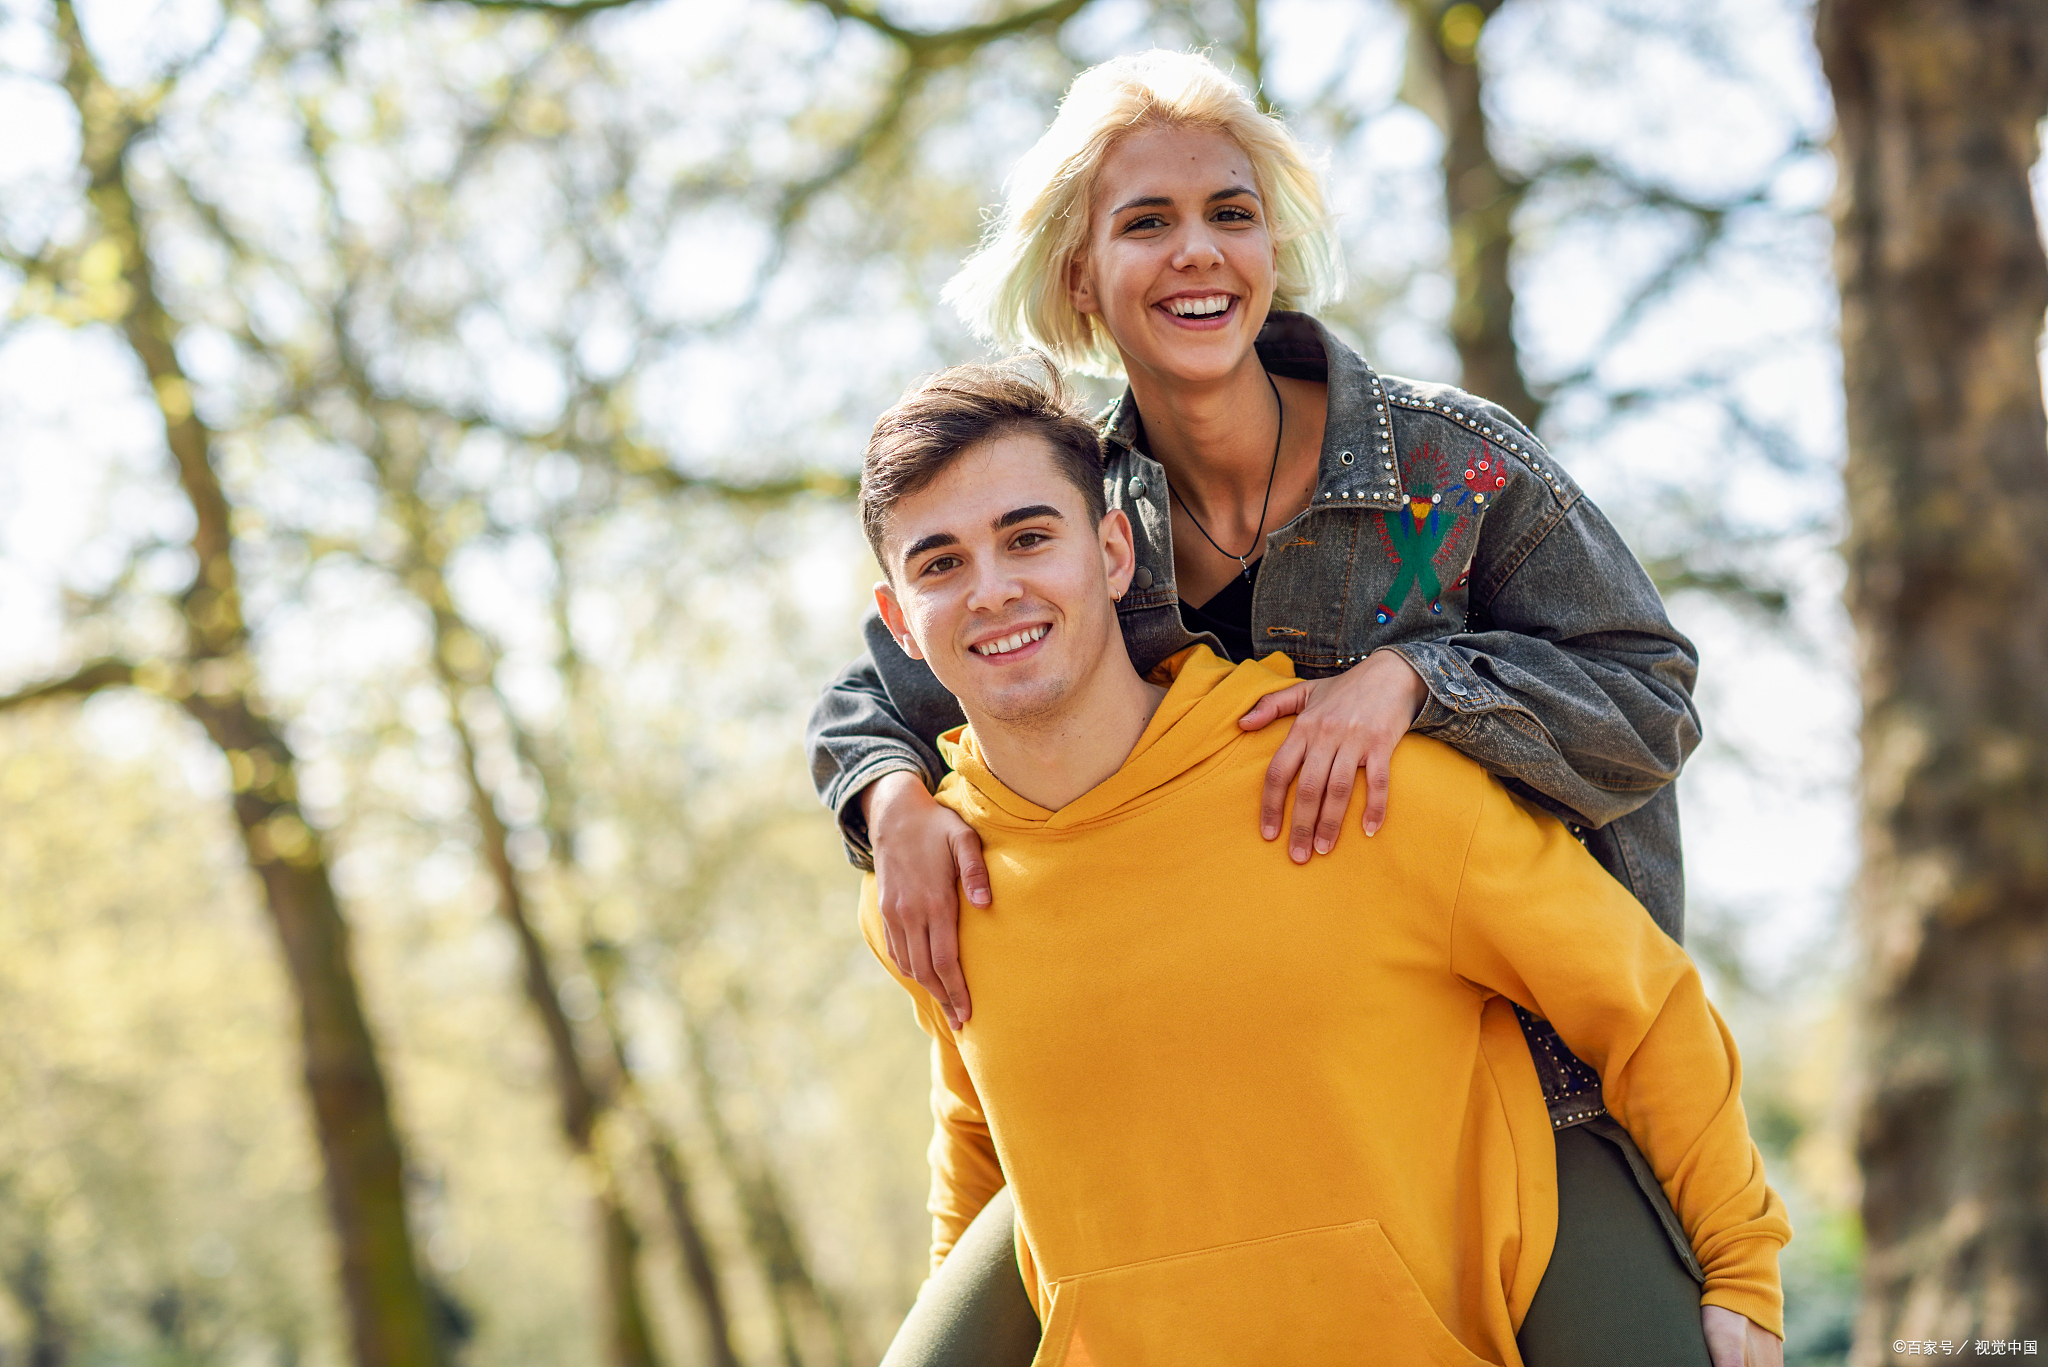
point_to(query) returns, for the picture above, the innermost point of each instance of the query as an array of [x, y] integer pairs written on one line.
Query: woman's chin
[[1204, 359], [1174, 354]]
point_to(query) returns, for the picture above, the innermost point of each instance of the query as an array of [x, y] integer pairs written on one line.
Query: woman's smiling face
[[1180, 265]]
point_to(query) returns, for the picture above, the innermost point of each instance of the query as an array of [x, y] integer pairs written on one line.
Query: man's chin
[[1024, 703]]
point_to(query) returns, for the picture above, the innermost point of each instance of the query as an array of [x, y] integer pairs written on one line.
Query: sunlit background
[[536, 353]]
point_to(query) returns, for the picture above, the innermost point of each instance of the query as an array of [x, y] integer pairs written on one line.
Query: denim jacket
[[1439, 528]]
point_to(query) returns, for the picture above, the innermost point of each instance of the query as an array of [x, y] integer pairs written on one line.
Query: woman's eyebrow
[[1163, 202], [1145, 202]]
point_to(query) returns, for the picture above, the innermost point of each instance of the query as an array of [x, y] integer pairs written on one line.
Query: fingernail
[[1322, 845], [978, 896], [1269, 832], [1373, 829], [1298, 853]]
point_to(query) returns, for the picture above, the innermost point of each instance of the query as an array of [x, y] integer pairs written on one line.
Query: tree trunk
[[1480, 199], [629, 1339], [390, 1319], [49, 1337], [810, 1324], [699, 1268], [1944, 287], [581, 1098]]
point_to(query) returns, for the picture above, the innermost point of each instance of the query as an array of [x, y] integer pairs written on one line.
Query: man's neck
[[1056, 757]]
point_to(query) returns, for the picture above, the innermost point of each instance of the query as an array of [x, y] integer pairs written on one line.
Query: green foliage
[[159, 1194]]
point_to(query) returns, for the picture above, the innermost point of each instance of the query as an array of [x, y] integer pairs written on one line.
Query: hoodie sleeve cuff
[[1748, 1283]]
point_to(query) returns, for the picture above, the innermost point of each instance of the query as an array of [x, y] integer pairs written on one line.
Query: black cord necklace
[[1244, 561]]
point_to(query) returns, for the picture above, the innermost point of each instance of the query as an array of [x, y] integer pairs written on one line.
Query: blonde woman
[[1412, 548]]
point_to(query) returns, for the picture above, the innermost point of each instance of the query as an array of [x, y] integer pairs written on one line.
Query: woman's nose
[[1196, 248]]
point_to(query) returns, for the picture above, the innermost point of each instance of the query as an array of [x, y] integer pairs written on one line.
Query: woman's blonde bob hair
[[1013, 289]]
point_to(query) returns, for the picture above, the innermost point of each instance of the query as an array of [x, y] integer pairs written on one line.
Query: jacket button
[[1457, 689], [1143, 578], [1345, 457], [1137, 488]]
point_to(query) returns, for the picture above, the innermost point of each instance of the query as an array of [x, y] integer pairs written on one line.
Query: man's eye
[[940, 564], [1026, 540]]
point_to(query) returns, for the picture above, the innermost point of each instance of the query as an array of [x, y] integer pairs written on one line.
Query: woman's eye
[[1231, 213], [1144, 223]]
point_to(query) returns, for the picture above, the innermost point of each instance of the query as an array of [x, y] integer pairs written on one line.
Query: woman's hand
[[924, 855], [1349, 722], [1733, 1341]]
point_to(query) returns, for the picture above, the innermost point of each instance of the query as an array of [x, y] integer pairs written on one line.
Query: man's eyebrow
[[1009, 519], [928, 543], [1016, 515]]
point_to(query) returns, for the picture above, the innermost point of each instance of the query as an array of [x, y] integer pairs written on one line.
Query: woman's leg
[[973, 1312], [1617, 1293]]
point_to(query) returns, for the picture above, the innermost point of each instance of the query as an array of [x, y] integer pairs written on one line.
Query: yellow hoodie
[[1257, 1113]]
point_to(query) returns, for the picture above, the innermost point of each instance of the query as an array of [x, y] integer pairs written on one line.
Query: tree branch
[[926, 44], [572, 10], [96, 677]]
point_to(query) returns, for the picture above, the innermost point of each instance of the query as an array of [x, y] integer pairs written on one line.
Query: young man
[[1250, 1112]]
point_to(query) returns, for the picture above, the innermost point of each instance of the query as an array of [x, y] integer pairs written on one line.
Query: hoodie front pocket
[[1336, 1295]]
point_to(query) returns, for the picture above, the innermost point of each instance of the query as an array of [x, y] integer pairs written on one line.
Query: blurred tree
[[1480, 198], [1484, 197], [1944, 288], [391, 1315], [462, 661]]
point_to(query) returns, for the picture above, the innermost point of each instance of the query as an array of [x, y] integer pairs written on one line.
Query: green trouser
[[1616, 1294]]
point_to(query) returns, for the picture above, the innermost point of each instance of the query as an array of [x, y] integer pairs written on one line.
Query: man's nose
[[994, 587]]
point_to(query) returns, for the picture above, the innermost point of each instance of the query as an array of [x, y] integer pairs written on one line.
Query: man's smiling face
[[1000, 579]]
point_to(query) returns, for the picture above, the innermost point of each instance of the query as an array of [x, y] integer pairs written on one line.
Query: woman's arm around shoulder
[[873, 741]]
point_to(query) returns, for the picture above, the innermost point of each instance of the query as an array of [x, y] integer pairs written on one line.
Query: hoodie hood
[[1195, 723]]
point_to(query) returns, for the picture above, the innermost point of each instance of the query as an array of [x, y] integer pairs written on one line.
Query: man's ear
[[892, 615], [1081, 286], [1119, 552]]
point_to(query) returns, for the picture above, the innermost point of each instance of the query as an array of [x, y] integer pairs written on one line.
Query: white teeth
[[1012, 641], [1199, 308]]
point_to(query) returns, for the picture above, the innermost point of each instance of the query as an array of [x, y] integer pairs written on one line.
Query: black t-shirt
[[1228, 615]]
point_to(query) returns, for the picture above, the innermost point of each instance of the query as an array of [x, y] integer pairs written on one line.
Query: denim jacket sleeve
[[1574, 680], [883, 713], [1568, 679]]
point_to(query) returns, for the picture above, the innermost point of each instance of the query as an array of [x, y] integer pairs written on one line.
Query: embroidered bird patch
[[1422, 531]]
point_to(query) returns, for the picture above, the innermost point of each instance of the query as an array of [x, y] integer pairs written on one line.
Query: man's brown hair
[[914, 442]]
